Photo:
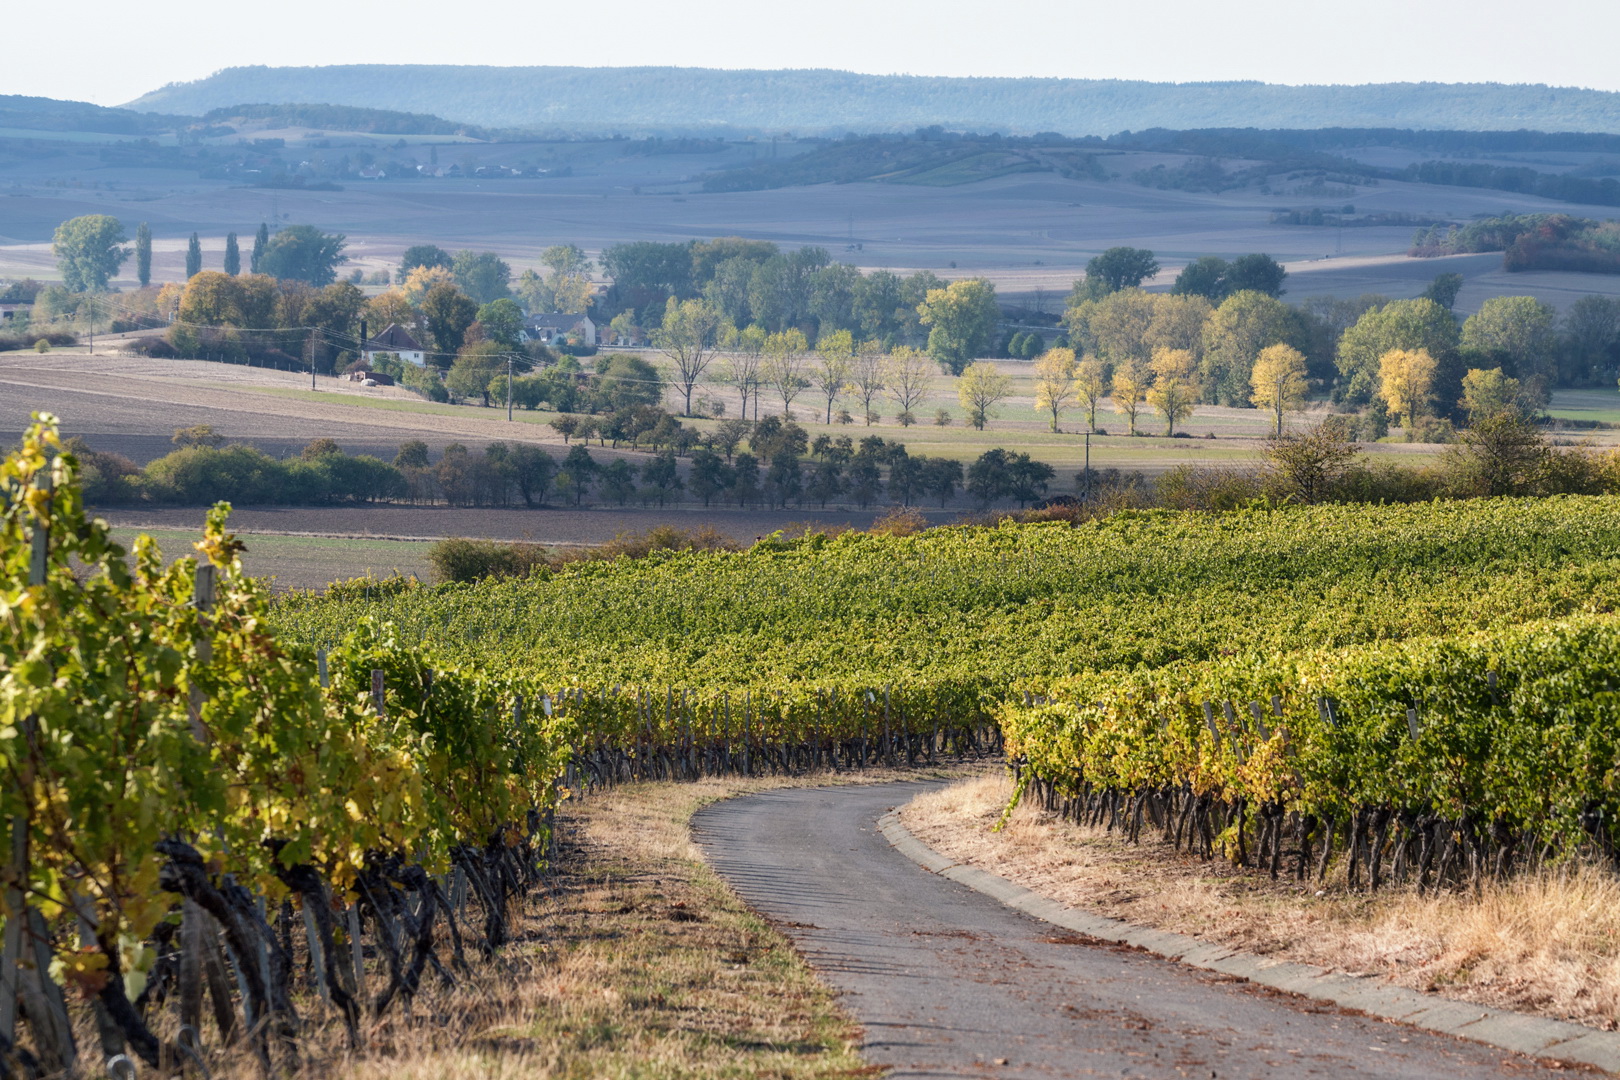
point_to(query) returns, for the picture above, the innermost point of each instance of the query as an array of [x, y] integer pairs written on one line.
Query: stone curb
[[1554, 1039]]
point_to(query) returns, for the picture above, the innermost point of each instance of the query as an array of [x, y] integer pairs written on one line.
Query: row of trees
[[1338, 347], [1502, 454], [780, 467], [90, 250], [486, 277]]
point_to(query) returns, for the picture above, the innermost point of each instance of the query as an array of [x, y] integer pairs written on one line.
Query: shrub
[[108, 479], [370, 588], [462, 559], [899, 521], [202, 475], [665, 538]]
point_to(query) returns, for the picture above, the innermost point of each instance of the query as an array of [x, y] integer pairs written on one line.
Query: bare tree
[[744, 366], [868, 376], [907, 377]]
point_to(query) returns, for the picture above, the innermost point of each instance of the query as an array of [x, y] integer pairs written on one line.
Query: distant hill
[[51, 114], [1222, 159], [669, 100], [344, 118]]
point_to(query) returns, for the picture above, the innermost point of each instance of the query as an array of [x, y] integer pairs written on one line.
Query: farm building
[[397, 340], [557, 327]]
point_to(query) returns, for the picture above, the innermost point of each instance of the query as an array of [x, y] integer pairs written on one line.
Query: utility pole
[[1088, 466], [508, 389], [312, 359]]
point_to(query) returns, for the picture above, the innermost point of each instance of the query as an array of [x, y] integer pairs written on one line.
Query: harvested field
[[309, 547], [301, 562], [1547, 944], [1031, 233]]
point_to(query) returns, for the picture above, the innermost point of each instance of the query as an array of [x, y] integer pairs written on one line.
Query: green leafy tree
[[502, 321], [1500, 454], [1255, 273], [474, 369], [1516, 333], [1243, 326], [1591, 340], [482, 275], [303, 253], [581, 470], [941, 478], [89, 250], [143, 254], [708, 476], [618, 481], [261, 240], [532, 472], [1115, 269], [193, 257], [447, 312], [962, 321], [1399, 324], [569, 284], [1118, 327], [1205, 276], [1489, 392], [429, 255], [1443, 289], [233, 255], [662, 477], [643, 271], [624, 381]]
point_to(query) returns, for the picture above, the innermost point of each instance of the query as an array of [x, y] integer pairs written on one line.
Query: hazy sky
[[118, 50]]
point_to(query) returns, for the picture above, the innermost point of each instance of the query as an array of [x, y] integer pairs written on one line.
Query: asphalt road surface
[[948, 982]]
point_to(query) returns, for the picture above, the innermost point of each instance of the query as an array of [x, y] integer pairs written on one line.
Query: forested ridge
[[669, 99]]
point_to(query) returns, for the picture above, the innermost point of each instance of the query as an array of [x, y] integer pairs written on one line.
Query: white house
[[397, 340], [557, 327]]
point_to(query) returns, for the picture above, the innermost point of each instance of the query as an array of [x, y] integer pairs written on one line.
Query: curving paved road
[[948, 982]]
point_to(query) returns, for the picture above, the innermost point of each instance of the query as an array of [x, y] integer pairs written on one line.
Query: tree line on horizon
[[748, 316]]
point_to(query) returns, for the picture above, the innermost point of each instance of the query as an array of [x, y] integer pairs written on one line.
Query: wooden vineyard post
[[888, 739], [379, 698], [26, 979], [317, 955], [192, 916]]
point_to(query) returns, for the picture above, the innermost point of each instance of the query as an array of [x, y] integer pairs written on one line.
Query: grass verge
[[639, 962], [1547, 944]]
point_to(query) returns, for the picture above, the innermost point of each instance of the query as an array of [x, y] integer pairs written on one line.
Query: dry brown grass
[[1546, 943], [640, 962]]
